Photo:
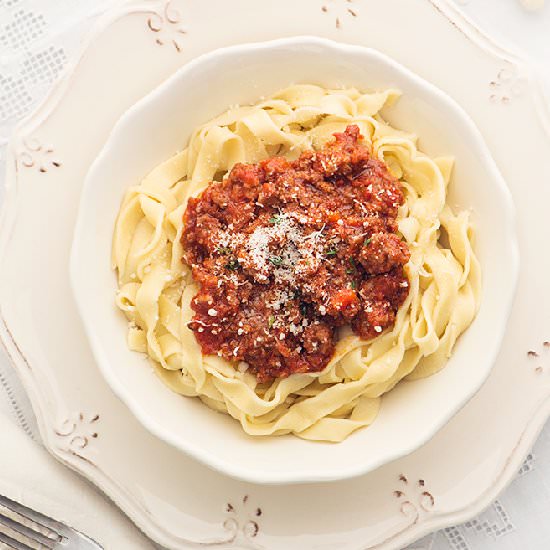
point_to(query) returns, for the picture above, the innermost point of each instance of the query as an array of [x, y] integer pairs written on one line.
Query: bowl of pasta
[[295, 260]]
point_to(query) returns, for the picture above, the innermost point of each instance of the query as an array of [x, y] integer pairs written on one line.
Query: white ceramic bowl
[[159, 125]]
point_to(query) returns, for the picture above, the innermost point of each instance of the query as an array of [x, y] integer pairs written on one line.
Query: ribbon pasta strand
[[156, 287]]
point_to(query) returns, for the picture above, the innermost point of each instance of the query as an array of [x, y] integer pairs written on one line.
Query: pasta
[[156, 287]]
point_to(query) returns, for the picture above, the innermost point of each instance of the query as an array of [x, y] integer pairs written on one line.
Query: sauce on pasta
[[245, 233], [286, 252]]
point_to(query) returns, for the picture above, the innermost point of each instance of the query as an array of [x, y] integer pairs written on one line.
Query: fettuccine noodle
[[156, 287]]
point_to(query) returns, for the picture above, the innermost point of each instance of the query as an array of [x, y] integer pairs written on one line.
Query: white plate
[[175, 500], [412, 413]]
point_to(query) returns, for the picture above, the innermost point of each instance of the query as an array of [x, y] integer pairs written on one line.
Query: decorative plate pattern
[[167, 26], [33, 154], [176, 501]]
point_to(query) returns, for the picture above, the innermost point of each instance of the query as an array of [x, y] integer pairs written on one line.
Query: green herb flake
[[275, 220], [276, 260], [232, 265], [331, 251], [353, 285], [367, 241], [271, 321], [352, 268], [225, 250], [303, 309]]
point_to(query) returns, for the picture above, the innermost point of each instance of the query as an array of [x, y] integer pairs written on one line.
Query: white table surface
[[37, 37]]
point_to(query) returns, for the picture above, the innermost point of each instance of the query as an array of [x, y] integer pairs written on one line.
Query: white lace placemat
[[37, 37]]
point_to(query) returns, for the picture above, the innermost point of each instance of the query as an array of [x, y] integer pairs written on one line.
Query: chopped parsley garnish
[[271, 321], [275, 220], [232, 265], [353, 267], [367, 241], [353, 285], [225, 250], [276, 260], [331, 251], [303, 309]]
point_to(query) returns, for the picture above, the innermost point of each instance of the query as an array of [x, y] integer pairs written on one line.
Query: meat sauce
[[286, 252]]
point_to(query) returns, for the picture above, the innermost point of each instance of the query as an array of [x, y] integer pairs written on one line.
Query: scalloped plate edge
[[77, 462]]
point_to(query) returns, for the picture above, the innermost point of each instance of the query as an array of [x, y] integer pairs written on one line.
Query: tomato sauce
[[286, 252]]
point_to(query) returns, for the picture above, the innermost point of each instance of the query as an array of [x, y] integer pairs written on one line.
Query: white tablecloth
[[36, 39]]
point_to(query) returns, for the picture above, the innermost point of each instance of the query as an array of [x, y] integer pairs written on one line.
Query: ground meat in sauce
[[285, 252]]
